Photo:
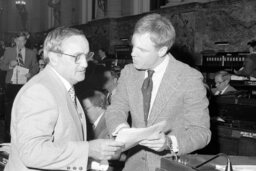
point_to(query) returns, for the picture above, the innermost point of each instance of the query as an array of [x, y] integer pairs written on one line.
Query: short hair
[[114, 72], [224, 75], [252, 43], [54, 39], [98, 99], [161, 30], [21, 34]]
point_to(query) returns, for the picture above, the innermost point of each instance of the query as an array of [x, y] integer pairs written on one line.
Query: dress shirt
[[63, 80], [97, 120]]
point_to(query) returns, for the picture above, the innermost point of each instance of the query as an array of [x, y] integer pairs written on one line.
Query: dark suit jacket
[[228, 90], [181, 101], [249, 66], [11, 54]]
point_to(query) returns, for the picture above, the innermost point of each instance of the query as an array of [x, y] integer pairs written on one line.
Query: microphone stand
[[228, 165]]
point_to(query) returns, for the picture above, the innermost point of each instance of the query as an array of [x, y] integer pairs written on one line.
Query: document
[[132, 136], [19, 75]]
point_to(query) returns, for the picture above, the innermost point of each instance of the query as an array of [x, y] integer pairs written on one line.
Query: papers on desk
[[238, 78], [132, 136], [237, 167], [19, 75]]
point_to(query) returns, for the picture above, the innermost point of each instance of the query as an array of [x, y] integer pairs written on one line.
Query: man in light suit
[[10, 61], [48, 128], [177, 95]]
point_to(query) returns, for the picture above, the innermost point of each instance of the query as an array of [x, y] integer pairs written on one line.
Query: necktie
[[109, 98], [72, 95], [20, 59], [146, 92]]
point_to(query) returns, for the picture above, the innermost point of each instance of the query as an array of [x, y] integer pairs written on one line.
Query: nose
[[133, 52], [84, 62]]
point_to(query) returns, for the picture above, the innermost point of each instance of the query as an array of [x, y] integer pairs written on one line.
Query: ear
[[162, 51], [53, 58]]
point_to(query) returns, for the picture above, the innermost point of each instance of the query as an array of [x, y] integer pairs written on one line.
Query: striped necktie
[[72, 95], [20, 59]]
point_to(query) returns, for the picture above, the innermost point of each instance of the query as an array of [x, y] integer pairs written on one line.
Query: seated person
[[249, 65], [222, 79], [110, 84], [95, 107]]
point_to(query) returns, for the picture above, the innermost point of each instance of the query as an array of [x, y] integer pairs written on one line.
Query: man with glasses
[[222, 79], [48, 127]]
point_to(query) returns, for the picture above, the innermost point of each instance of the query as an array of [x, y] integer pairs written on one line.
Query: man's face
[[144, 54], [71, 69], [220, 83], [20, 42]]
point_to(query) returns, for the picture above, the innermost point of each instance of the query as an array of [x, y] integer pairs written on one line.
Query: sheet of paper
[[238, 167], [18, 76], [132, 136]]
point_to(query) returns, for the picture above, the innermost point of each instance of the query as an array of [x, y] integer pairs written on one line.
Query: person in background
[[16, 56], [111, 77], [155, 88], [222, 79], [95, 105], [249, 66], [48, 127], [41, 64]]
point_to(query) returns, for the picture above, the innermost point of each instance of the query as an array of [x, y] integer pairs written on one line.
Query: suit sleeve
[[6, 61], [36, 115], [193, 133], [117, 112]]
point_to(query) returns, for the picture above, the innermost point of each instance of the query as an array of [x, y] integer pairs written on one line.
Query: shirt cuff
[[175, 147], [118, 128]]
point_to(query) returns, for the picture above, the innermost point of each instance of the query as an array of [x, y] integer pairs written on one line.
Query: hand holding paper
[[157, 143], [133, 136]]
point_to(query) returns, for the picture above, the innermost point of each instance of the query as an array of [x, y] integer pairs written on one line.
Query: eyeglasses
[[219, 82], [87, 56]]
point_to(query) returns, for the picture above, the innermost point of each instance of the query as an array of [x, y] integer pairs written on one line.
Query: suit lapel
[[167, 87], [136, 92], [60, 88], [100, 127]]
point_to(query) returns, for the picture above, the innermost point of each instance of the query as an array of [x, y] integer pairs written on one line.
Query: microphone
[[228, 165]]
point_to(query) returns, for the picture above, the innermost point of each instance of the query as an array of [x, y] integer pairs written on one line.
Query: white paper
[[237, 167], [19, 75], [132, 136]]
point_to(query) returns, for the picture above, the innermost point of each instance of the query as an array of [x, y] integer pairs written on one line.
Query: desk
[[193, 160]]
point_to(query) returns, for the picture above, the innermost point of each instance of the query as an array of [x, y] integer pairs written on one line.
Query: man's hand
[[28, 75], [157, 142], [12, 64], [104, 149]]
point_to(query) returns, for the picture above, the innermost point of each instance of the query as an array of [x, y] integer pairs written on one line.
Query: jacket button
[[143, 158], [80, 168], [68, 168], [74, 168]]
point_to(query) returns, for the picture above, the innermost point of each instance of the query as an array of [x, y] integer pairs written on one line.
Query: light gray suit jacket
[[30, 62], [47, 131], [181, 101]]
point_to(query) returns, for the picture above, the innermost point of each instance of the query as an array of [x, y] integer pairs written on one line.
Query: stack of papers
[[237, 167], [132, 136]]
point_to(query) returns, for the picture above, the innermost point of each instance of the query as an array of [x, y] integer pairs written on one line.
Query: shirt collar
[[162, 66], [63, 80]]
